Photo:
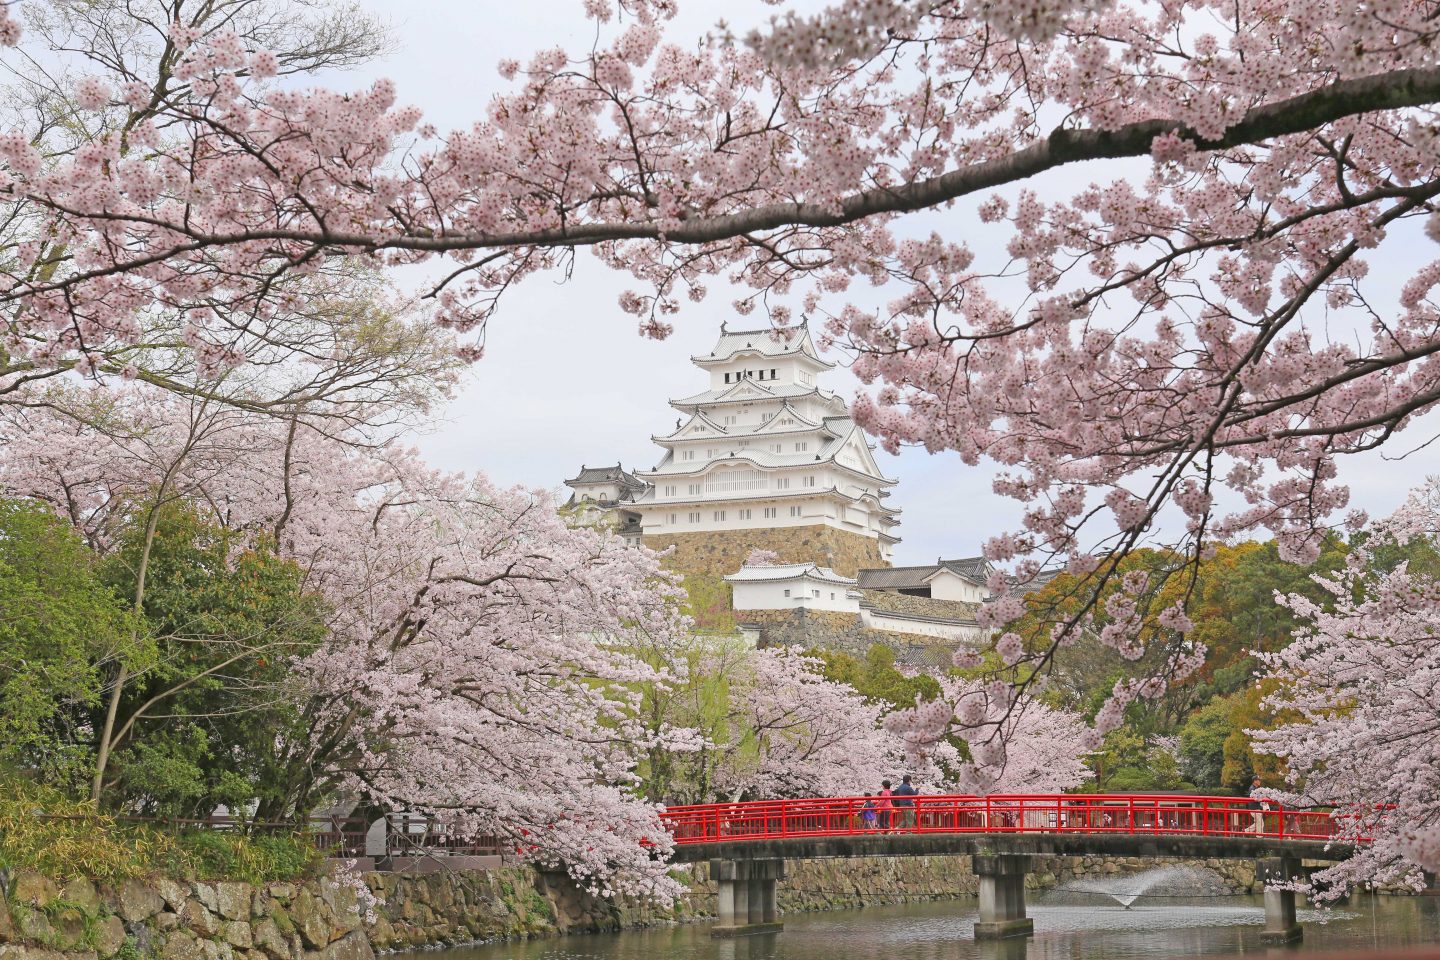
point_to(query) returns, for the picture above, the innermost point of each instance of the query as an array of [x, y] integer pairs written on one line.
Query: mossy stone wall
[[721, 552]]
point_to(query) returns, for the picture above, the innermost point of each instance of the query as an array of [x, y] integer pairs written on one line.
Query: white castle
[[764, 447], [767, 457]]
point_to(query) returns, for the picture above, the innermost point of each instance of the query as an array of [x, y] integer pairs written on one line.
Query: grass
[[44, 831]]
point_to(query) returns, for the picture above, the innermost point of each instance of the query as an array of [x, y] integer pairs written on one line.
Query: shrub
[[42, 830]]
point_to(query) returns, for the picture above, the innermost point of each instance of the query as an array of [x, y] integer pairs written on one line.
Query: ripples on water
[[1066, 928]]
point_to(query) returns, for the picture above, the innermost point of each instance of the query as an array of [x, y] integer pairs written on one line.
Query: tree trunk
[[102, 753]]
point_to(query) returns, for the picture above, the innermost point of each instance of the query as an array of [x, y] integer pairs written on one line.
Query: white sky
[[567, 380]]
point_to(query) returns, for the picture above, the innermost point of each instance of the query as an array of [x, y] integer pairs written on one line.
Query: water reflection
[[1065, 929]]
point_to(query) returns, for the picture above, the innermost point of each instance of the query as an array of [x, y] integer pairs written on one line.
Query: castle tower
[[766, 458]]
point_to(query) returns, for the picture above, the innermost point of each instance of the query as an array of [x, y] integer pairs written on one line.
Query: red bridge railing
[[1164, 815]]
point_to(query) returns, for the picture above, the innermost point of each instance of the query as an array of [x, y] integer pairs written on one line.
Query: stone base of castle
[[843, 633], [721, 552]]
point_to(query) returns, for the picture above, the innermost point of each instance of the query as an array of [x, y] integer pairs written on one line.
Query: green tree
[[708, 603], [877, 678], [206, 723], [1231, 601], [1202, 742], [1131, 763], [58, 623], [1248, 712]]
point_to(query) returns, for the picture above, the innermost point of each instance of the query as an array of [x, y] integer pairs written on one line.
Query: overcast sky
[[567, 380]]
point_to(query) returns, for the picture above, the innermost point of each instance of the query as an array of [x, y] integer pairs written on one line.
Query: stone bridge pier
[[1280, 923], [1002, 896], [747, 896]]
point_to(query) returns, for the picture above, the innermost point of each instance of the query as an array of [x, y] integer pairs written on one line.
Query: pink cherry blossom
[[1362, 678]]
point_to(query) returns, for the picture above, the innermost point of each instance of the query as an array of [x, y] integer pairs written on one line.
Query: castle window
[[719, 515], [794, 511], [782, 484], [769, 513], [727, 378], [815, 594], [809, 481], [694, 518], [772, 373], [744, 514], [787, 593], [672, 519], [801, 447]]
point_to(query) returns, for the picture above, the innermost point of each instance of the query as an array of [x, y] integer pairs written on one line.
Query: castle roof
[[767, 342], [629, 483], [974, 569], [788, 571], [841, 429], [748, 391]]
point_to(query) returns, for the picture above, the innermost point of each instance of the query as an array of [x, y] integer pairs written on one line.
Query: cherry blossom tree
[[1012, 747], [806, 735], [1358, 689], [733, 722], [760, 557], [1144, 341], [342, 341], [1194, 327], [474, 665]]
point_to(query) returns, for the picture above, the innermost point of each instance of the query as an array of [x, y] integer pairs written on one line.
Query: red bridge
[[748, 843]]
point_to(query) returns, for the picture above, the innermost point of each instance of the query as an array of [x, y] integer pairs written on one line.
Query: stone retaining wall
[[843, 632], [351, 916], [721, 552]]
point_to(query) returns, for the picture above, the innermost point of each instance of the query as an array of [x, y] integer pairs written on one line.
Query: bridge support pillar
[[1002, 897], [1280, 923], [747, 899]]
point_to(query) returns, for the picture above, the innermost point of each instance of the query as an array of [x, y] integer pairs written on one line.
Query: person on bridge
[[906, 806], [867, 813], [883, 805], [1257, 809]]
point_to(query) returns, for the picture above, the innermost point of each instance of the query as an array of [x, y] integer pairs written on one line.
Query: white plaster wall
[[770, 595], [946, 631], [598, 491], [949, 586]]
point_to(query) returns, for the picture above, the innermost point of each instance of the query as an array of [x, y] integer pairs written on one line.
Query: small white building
[[606, 495], [963, 581], [787, 586]]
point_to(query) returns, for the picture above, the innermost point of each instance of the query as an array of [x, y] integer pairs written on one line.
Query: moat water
[[1067, 927]]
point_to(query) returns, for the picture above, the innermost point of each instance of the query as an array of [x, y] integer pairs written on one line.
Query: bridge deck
[[1040, 824], [972, 844]]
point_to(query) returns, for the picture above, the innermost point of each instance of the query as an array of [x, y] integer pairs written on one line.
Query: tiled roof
[[630, 485], [780, 391], [788, 571], [926, 608], [768, 342], [1038, 581], [974, 569], [841, 427]]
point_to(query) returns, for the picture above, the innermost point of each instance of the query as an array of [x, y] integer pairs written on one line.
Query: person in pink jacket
[[884, 805]]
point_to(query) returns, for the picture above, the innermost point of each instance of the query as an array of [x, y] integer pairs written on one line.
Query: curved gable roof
[[766, 342]]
